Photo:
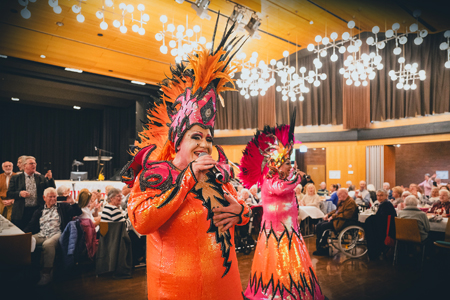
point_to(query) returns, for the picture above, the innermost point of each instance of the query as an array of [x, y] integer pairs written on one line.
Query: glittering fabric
[[184, 259], [282, 268]]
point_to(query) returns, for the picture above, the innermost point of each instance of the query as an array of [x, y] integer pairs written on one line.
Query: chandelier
[[255, 78], [126, 12], [446, 46], [183, 41], [407, 75]]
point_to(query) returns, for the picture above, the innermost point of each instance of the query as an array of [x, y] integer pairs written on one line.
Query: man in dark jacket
[[344, 215], [27, 189], [376, 226], [47, 224]]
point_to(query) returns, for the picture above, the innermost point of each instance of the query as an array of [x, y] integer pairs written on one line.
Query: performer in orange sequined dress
[[281, 268], [187, 212]]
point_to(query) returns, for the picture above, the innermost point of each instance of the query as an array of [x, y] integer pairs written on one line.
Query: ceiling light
[[43, 56], [237, 16], [60, 24], [138, 82], [15, 99], [3, 56], [73, 70], [76, 107], [303, 149], [253, 26], [201, 8], [179, 1]]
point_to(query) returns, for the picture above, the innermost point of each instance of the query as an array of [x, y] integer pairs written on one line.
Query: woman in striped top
[[112, 212]]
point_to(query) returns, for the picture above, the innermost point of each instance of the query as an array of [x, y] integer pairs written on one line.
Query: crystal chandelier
[[446, 46], [182, 42]]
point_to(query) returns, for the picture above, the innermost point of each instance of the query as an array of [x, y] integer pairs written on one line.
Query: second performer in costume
[[282, 268]]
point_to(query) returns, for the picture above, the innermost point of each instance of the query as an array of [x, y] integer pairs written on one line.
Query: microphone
[[214, 169]]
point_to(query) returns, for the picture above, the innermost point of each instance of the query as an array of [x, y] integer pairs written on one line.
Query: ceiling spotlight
[[253, 26], [201, 8], [43, 56], [237, 16], [15, 99], [179, 1], [76, 107]]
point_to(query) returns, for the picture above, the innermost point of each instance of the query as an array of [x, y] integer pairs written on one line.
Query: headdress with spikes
[[189, 97], [266, 152]]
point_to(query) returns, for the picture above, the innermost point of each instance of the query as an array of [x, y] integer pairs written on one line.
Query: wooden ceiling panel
[[134, 57]]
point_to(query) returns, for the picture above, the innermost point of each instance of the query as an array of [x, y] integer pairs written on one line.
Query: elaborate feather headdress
[[189, 98], [266, 152]]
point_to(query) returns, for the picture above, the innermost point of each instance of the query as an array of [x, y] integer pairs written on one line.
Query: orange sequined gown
[[282, 268], [184, 258]]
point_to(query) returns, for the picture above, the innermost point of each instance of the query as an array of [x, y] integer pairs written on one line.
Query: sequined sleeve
[[246, 213], [150, 209], [281, 187]]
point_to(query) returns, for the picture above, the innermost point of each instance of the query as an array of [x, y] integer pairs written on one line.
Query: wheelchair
[[350, 241]]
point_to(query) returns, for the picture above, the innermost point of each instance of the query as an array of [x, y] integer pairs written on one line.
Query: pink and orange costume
[[282, 268], [187, 256]]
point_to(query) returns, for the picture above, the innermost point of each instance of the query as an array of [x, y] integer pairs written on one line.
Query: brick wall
[[412, 161]]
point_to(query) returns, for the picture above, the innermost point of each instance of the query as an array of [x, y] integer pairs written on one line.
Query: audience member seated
[[437, 182], [322, 192], [401, 205], [427, 184], [298, 194], [27, 189], [445, 187], [345, 215], [414, 190], [6, 204], [112, 212], [373, 193], [412, 212], [89, 221], [47, 224], [376, 226], [362, 195], [387, 188], [397, 192], [247, 197], [311, 198], [434, 195], [126, 194], [351, 191], [442, 207], [333, 194], [254, 191], [348, 183]]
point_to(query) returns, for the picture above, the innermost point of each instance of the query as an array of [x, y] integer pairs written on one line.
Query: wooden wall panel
[[389, 165]]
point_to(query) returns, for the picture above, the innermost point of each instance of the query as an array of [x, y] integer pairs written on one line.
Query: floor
[[339, 277]]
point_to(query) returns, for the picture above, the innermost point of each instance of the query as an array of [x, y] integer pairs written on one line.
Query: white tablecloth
[[439, 226], [364, 215], [90, 185], [310, 211], [11, 229]]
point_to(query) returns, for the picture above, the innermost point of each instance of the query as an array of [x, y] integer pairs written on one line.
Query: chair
[[114, 250], [407, 231], [446, 242], [15, 250]]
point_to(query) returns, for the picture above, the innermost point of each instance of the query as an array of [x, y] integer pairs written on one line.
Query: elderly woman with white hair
[[442, 207], [247, 197], [298, 195], [412, 212]]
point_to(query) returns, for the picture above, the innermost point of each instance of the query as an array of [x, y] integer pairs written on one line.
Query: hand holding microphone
[[213, 169]]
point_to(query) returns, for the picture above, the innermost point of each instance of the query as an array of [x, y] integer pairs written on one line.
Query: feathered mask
[[189, 98], [268, 150]]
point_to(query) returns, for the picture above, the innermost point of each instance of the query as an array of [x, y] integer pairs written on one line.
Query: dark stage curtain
[[238, 113], [431, 95], [323, 104], [57, 136]]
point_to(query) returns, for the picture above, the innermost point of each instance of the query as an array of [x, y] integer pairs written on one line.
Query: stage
[[76, 186]]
